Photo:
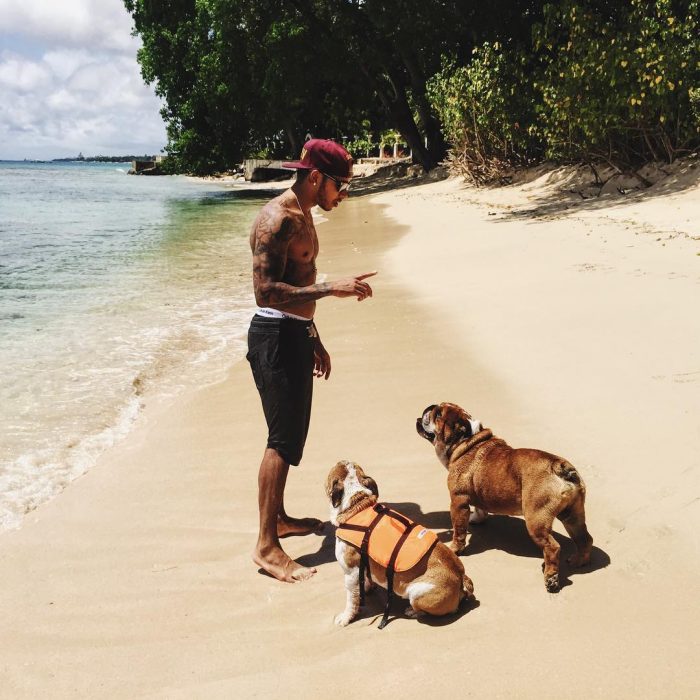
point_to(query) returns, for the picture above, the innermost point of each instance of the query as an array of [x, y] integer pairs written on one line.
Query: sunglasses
[[342, 186]]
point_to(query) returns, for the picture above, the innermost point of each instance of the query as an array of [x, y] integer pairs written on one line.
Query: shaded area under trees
[[243, 77]]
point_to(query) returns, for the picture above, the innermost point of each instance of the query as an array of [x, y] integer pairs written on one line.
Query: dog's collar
[[466, 444], [367, 502]]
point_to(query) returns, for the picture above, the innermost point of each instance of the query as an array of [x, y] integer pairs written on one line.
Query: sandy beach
[[566, 324]]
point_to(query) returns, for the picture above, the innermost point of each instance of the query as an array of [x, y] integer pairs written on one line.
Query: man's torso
[[300, 264]]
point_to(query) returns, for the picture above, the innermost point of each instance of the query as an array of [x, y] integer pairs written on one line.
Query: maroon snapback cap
[[325, 155]]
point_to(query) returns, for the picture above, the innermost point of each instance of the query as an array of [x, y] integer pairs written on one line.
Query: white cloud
[[77, 86], [23, 76], [64, 62], [99, 24]]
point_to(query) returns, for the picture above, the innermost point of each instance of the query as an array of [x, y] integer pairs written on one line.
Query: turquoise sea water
[[111, 287]]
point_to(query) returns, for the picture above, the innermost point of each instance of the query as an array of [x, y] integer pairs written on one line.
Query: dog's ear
[[369, 483], [463, 425], [451, 425], [464, 430], [336, 493]]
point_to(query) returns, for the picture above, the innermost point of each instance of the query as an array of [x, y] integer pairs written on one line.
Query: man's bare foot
[[280, 566], [287, 527]]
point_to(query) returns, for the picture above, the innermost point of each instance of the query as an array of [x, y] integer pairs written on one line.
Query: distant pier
[[147, 166], [265, 170]]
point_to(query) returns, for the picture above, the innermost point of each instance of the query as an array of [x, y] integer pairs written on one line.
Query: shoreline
[[107, 302], [137, 581]]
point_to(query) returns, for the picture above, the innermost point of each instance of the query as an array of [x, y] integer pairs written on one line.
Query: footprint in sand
[[593, 267], [680, 378], [686, 377]]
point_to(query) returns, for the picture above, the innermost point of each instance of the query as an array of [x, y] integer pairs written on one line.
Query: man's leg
[[268, 553], [288, 526]]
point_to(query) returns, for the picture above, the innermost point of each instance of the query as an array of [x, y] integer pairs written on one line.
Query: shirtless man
[[284, 349]]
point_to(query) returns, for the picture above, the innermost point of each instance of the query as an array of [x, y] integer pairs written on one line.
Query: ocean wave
[[36, 477], [120, 289]]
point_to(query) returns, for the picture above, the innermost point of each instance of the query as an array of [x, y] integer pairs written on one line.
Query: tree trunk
[[292, 139], [397, 106], [436, 142], [403, 118]]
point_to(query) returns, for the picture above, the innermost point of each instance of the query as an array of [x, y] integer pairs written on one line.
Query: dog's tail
[[467, 587], [568, 472]]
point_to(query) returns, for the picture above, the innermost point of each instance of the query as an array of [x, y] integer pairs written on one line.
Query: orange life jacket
[[388, 535]]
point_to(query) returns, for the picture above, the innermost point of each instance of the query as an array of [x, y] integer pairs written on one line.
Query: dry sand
[[562, 324]]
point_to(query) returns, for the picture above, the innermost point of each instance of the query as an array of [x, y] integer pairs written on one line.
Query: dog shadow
[[375, 604], [509, 534], [502, 532], [437, 520], [505, 533], [325, 554], [375, 599]]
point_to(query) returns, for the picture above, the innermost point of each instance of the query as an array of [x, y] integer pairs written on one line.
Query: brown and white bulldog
[[484, 472], [435, 585]]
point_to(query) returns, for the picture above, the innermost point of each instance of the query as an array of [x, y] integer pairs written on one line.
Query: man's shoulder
[[277, 217]]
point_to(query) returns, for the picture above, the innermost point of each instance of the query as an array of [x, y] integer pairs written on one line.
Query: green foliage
[[694, 95], [250, 77], [599, 80], [575, 80], [390, 137], [486, 110], [618, 92], [187, 53], [255, 76], [363, 145]]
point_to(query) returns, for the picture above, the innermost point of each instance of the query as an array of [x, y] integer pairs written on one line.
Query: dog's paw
[[456, 547], [552, 583], [343, 619], [575, 561], [411, 612]]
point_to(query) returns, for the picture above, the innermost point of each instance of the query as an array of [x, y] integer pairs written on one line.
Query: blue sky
[[70, 83]]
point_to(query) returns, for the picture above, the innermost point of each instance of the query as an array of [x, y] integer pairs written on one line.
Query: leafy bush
[[601, 81], [694, 95], [364, 144], [487, 111], [617, 92]]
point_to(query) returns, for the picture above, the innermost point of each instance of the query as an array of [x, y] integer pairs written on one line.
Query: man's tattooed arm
[[272, 236]]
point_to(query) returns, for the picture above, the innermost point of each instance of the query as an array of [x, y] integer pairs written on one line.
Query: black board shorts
[[281, 356]]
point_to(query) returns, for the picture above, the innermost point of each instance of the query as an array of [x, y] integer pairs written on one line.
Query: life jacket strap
[[364, 556], [392, 564]]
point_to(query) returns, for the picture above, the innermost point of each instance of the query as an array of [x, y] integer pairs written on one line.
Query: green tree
[[187, 52], [597, 81], [255, 76], [397, 45], [618, 91]]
